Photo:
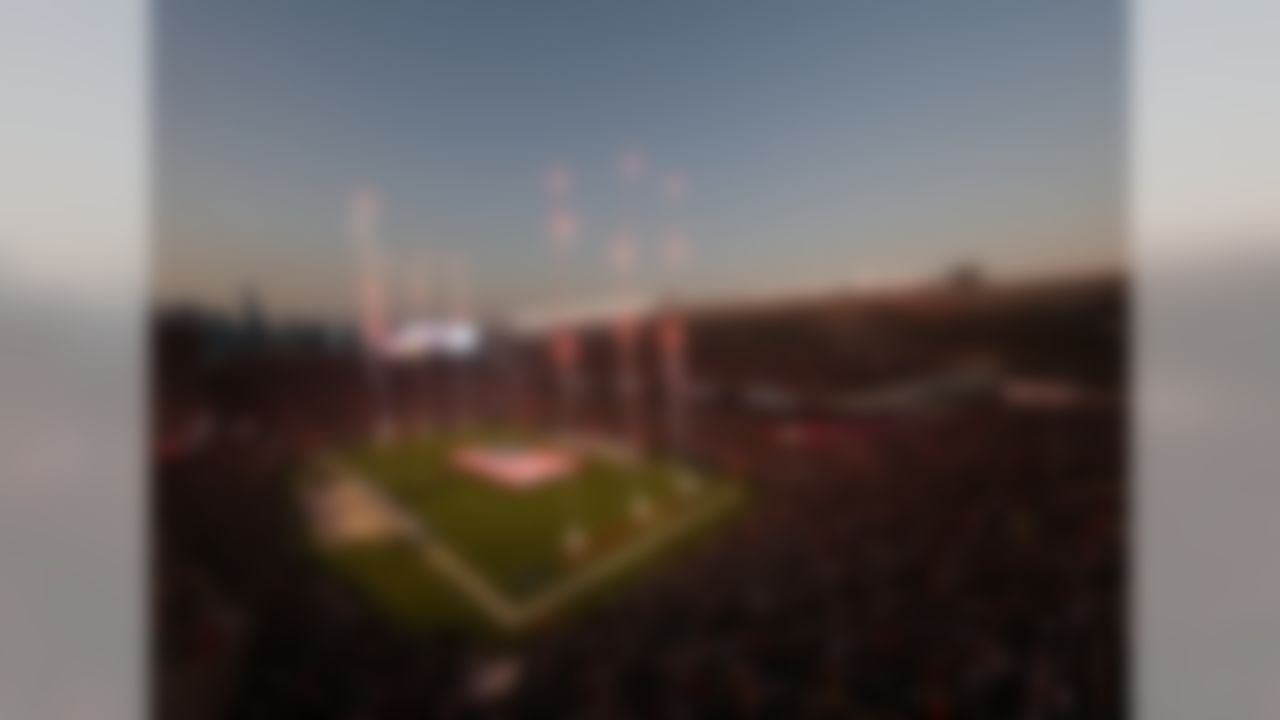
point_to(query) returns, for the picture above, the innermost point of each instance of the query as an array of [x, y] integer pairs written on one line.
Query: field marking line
[[514, 615], [471, 583], [559, 594]]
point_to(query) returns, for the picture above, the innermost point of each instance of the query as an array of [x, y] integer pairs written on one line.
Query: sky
[[823, 144]]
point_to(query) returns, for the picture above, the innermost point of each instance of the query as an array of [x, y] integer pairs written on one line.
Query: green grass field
[[511, 541]]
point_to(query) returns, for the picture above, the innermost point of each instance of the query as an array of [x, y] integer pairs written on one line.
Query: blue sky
[[823, 141]]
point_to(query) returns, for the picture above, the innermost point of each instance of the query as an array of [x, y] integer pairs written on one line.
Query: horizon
[[780, 145], [900, 288]]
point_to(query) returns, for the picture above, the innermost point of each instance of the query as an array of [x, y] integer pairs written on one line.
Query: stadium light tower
[[673, 343], [563, 228], [623, 259], [626, 332], [632, 167], [418, 304], [371, 303], [460, 311], [419, 284]]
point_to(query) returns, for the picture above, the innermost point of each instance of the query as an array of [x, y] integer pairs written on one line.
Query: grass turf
[[512, 537]]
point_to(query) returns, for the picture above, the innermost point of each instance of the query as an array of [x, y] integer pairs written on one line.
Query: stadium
[[956, 494], [639, 361], [499, 532]]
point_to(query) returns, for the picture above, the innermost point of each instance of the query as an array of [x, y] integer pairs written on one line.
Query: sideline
[[512, 615]]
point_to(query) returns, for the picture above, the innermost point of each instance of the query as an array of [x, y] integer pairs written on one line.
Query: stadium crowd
[[936, 560]]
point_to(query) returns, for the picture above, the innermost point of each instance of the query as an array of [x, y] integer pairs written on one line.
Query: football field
[[438, 544]]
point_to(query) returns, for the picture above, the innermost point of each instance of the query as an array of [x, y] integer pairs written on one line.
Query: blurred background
[[666, 361], [860, 267]]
